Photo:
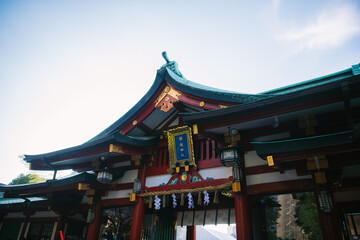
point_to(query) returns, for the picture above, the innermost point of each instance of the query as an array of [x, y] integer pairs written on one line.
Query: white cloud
[[332, 28]]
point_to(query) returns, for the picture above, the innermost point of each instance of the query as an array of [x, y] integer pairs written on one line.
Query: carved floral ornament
[[167, 98]]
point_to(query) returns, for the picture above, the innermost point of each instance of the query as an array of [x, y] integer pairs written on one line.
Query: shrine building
[[281, 164]]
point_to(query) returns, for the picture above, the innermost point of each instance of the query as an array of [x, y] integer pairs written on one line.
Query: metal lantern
[[105, 176], [137, 186], [229, 157]]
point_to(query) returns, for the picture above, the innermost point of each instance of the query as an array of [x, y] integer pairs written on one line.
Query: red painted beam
[[189, 185]]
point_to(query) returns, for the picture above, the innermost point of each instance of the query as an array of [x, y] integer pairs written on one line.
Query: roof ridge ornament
[[172, 65]]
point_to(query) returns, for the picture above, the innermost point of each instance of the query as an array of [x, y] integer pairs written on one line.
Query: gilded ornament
[[223, 106], [166, 99], [115, 149], [184, 177], [202, 104]]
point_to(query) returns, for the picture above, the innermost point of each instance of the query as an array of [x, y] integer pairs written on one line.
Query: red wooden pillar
[[191, 233], [242, 209], [139, 209], [94, 227], [329, 221], [242, 217]]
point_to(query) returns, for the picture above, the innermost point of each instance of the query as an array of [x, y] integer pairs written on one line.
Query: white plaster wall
[[155, 181], [274, 177], [252, 159], [129, 176], [118, 194], [216, 173]]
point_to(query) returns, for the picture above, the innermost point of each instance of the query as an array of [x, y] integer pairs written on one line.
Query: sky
[[69, 69]]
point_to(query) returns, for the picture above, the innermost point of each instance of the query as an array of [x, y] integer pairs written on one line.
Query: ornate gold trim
[[223, 106], [172, 147], [167, 91], [115, 149]]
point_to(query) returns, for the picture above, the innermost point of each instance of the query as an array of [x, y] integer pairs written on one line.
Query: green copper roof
[[19, 200], [277, 95], [106, 140], [300, 144], [354, 70], [203, 91], [81, 177]]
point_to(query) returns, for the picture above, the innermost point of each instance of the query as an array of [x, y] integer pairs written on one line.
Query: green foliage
[[307, 216], [25, 179], [272, 209]]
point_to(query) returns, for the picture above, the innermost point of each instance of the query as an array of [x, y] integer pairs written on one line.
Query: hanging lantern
[[105, 176], [229, 157]]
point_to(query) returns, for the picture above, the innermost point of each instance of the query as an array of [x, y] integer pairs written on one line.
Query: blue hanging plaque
[[180, 147]]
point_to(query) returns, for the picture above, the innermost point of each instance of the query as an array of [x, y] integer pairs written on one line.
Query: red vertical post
[[242, 217], [139, 208], [191, 233], [242, 209], [94, 227]]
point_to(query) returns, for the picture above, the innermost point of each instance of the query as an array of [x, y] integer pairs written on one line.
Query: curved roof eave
[[113, 127], [113, 138], [81, 177], [203, 91]]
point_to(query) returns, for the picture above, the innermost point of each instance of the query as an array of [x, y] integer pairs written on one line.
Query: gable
[[170, 95]]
